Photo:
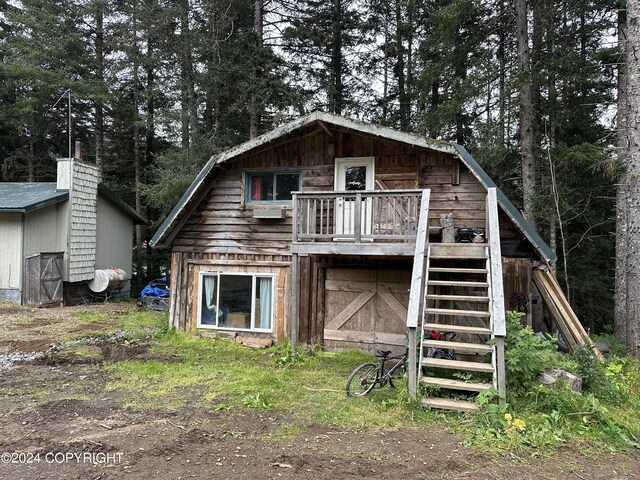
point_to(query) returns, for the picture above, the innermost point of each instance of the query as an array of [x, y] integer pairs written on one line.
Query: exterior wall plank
[[11, 256]]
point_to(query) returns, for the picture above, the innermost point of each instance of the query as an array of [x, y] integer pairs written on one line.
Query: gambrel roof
[[198, 187]]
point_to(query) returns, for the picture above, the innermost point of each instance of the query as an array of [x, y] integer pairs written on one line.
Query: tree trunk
[[254, 103], [620, 310], [633, 178], [136, 150], [402, 94], [526, 112], [502, 59], [99, 120], [336, 96], [188, 104]]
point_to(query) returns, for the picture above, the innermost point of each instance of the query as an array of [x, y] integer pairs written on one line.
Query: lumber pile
[[565, 319]]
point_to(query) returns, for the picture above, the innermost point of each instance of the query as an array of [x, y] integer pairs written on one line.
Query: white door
[[353, 174]]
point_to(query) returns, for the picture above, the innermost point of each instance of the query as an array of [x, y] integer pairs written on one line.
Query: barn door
[[366, 309], [353, 174], [43, 279]]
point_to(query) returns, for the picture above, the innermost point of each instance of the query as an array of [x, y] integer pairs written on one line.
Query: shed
[[56, 235]]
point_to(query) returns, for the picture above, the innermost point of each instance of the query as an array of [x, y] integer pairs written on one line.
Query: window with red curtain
[[272, 187]]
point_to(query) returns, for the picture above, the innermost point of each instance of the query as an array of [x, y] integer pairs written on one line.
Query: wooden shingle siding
[[82, 235]]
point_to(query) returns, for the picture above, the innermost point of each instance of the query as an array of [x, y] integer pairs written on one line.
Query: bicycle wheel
[[362, 380]]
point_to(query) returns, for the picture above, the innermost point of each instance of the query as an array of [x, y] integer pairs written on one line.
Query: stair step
[[480, 348], [450, 404], [459, 298], [457, 365], [458, 270], [461, 313], [442, 327], [457, 251], [456, 384], [457, 283]]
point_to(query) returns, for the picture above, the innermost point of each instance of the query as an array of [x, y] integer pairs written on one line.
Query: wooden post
[[417, 292], [295, 300], [448, 232], [412, 338], [502, 387], [295, 281], [357, 219], [498, 321]]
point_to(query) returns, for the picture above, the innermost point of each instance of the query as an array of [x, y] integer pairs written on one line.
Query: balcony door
[[353, 174]]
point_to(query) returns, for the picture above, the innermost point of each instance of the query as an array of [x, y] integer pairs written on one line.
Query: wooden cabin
[[328, 231]]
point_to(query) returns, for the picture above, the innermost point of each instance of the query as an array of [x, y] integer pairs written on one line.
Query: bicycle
[[367, 375]]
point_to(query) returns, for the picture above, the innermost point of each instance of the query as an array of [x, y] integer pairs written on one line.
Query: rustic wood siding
[[82, 237], [185, 267], [221, 228], [10, 252], [114, 237], [223, 223]]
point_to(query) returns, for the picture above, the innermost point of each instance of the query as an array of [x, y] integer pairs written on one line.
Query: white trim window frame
[[219, 310], [249, 188]]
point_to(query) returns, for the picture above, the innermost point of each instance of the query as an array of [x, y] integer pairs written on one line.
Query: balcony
[[378, 222]]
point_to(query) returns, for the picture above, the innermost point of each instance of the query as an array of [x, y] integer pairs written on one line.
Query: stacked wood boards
[[572, 331]]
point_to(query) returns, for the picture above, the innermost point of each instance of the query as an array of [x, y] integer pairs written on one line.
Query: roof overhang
[[138, 219], [60, 196]]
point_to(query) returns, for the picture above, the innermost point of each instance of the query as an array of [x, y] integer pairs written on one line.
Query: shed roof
[[163, 235], [25, 197]]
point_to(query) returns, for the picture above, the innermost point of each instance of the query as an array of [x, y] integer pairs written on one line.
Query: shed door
[[366, 309], [43, 279]]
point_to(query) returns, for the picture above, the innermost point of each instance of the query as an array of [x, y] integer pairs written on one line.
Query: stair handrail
[[417, 293], [496, 297], [492, 232]]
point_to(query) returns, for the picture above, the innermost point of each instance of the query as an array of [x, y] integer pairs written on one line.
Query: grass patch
[[228, 376], [308, 388], [144, 320], [32, 391]]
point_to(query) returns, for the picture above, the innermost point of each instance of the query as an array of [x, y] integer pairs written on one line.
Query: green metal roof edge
[[128, 209], [510, 209], [173, 215], [57, 198]]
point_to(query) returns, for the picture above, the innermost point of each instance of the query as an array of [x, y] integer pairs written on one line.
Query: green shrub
[[526, 355], [594, 373]]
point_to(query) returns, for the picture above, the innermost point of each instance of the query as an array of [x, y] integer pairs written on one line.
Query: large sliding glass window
[[237, 301]]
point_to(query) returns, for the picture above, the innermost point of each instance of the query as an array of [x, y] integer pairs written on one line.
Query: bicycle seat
[[383, 353]]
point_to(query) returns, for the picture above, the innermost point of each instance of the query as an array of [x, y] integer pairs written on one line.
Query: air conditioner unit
[[268, 212]]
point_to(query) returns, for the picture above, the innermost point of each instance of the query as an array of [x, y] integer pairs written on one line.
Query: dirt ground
[[56, 421]]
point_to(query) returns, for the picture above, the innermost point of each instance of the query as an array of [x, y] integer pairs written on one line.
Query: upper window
[[272, 187]]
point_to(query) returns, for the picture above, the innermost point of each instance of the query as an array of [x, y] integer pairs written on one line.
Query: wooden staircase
[[457, 307], [461, 322]]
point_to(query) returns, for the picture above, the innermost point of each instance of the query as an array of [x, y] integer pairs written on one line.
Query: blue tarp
[[156, 288]]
